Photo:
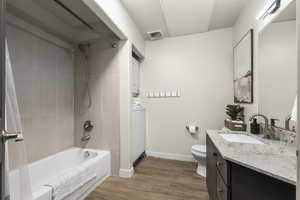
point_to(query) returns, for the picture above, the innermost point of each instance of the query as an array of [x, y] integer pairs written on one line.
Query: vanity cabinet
[[229, 181], [211, 169], [217, 173]]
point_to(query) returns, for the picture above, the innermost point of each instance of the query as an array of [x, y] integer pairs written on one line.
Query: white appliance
[[138, 134], [135, 87]]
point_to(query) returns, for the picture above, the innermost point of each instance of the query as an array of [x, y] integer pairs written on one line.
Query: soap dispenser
[[254, 127], [273, 129]]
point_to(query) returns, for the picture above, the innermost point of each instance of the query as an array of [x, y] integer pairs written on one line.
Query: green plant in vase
[[235, 112]]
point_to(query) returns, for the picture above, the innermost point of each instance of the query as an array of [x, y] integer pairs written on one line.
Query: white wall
[[200, 66], [125, 52], [278, 70], [246, 21]]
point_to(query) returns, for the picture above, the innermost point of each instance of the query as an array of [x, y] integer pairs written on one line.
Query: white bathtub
[[42, 171]]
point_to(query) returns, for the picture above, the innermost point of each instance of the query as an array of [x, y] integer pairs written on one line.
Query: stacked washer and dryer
[[138, 131]]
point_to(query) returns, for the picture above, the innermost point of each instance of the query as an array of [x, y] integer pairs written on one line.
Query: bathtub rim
[[45, 191], [105, 152]]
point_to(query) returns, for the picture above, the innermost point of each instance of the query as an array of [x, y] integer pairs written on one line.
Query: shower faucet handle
[[11, 135]]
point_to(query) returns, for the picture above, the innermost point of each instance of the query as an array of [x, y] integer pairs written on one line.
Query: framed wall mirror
[[277, 71], [243, 69]]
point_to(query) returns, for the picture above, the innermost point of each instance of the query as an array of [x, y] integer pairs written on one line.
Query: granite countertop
[[273, 158]]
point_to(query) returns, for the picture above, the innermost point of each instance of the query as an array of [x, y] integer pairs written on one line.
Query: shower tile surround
[[104, 113], [50, 83], [44, 79]]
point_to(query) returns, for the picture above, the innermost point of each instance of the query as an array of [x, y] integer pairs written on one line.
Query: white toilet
[[199, 153]]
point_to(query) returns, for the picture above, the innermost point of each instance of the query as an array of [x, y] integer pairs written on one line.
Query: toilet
[[199, 153]]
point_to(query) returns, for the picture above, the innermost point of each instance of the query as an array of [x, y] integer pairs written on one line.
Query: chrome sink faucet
[[268, 131], [263, 116]]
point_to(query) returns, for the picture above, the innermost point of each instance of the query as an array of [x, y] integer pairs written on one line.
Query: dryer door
[[138, 133]]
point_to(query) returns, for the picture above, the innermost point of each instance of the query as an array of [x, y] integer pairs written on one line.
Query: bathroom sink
[[240, 138]]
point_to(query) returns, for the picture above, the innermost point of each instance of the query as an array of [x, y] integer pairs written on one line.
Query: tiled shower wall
[[52, 96], [102, 71], [44, 78]]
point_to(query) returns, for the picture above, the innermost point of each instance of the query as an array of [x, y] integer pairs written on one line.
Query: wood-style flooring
[[155, 179]]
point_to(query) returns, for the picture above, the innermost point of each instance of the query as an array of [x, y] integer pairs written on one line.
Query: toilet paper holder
[[188, 128]]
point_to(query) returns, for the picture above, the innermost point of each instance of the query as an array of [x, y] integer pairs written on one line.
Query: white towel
[[72, 179]]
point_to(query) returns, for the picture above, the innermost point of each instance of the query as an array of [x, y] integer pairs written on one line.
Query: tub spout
[[85, 138]]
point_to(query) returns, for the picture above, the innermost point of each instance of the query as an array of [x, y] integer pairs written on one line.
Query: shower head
[[84, 46], [114, 44]]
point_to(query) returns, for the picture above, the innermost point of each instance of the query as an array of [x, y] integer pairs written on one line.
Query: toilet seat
[[199, 150], [199, 154]]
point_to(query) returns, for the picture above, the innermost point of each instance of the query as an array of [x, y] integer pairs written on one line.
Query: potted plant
[[235, 112]]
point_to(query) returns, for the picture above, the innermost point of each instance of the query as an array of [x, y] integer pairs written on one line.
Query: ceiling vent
[[155, 35]]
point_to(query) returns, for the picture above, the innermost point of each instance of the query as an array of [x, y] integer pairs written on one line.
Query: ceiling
[[183, 17], [55, 19]]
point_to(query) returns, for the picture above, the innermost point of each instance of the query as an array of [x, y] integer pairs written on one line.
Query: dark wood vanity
[[230, 181]]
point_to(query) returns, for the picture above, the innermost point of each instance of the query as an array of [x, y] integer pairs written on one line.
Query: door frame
[[2, 98], [298, 100]]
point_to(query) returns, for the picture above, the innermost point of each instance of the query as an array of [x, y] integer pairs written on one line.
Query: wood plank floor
[[155, 179]]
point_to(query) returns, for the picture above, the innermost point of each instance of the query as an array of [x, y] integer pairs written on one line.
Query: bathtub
[[42, 171]]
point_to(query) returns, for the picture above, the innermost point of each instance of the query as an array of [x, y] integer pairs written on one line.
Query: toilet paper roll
[[193, 129]]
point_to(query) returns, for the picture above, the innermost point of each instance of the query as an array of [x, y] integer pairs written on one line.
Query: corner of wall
[[126, 173], [125, 52]]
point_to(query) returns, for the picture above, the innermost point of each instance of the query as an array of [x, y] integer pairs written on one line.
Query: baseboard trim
[[169, 156], [126, 173]]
